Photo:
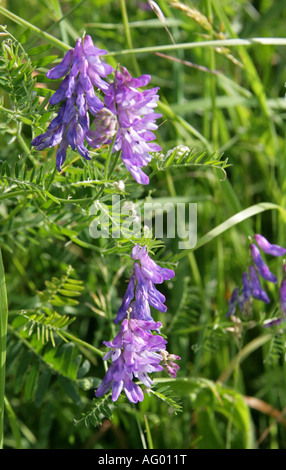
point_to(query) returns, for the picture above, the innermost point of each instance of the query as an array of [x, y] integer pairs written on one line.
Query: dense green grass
[[222, 95]]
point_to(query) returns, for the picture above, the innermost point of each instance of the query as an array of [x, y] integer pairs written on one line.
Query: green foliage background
[[225, 101]]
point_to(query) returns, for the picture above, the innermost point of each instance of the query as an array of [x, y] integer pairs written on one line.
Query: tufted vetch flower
[[168, 361], [251, 285], [255, 286], [261, 266], [135, 353], [82, 70], [232, 302], [271, 249], [125, 117], [138, 349], [141, 292], [244, 297], [136, 118]]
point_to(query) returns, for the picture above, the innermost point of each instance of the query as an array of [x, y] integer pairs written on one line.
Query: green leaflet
[[13, 424], [46, 322], [33, 28], [190, 158], [101, 409], [199, 44], [36, 364], [166, 394]]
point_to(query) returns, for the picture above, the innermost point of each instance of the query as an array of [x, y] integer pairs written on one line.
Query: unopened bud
[[168, 363], [119, 185]]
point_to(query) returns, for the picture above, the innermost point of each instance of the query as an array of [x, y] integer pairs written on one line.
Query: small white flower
[[180, 150], [119, 185]]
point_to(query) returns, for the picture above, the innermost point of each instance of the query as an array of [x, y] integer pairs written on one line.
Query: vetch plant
[[82, 69], [136, 121], [251, 283], [128, 113], [124, 185], [136, 351], [141, 291]]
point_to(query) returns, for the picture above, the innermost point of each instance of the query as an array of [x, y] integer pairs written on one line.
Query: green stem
[[199, 44], [142, 437], [128, 34], [8, 195], [148, 433], [213, 91], [169, 113], [25, 147], [13, 424], [235, 387], [62, 27], [114, 163], [3, 338], [82, 343], [35, 29], [107, 172], [229, 223]]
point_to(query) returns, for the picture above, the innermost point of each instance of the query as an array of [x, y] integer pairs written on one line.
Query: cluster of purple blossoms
[[127, 114], [251, 284], [82, 69], [138, 349], [136, 121], [141, 291]]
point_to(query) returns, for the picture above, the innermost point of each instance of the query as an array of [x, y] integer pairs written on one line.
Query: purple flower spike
[[126, 301], [155, 273], [169, 363], [274, 250], [262, 268], [141, 287], [85, 68], [138, 349], [245, 292], [137, 252], [282, 301], [282, 293], [140, 307], [63, 68], [61, 154], [135, 353], [232, 302], [150, 269], [82, 69], [136, 121], [255, 286]]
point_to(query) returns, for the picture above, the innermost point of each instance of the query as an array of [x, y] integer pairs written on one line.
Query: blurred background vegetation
[[64, 288]]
